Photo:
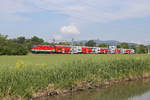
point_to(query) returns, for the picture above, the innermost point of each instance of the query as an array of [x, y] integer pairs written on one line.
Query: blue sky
[[123, 20]]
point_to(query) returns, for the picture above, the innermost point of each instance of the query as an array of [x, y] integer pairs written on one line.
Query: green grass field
[[55, 59], [25, 75]]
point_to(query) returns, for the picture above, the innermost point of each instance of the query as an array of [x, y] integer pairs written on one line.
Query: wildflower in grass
[[20, 64], [138, 58], [44, 65]]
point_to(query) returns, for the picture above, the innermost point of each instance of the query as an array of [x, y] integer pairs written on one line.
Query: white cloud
[[97, 10], [10, 10], [71, 29], [79, 10], [57, 37]]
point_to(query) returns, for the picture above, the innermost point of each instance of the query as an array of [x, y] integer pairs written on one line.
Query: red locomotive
[[79, 49]]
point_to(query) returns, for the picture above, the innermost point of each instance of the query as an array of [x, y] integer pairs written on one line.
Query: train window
[[59, 48]]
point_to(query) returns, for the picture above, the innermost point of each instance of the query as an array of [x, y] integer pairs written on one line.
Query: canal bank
[[92, 74], [90, 87], [135, 90]]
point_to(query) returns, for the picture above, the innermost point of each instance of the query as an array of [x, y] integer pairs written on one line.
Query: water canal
[[139, 90]]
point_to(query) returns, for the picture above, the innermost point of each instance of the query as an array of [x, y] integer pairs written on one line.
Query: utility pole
[[53, 41], [72, 43]]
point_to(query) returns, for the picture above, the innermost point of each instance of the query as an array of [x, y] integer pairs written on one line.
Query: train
[[61, 49]]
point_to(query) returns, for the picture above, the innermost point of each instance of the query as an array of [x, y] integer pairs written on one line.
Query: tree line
[[22, 45], [17, 46]]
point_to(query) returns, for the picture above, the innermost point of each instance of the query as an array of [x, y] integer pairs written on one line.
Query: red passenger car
[[84, 50], [127, 51], [63, 49], [117, 51], [104, 50]]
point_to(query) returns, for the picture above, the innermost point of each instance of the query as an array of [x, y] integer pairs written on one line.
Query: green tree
[[118, 46], [79, 44], [11, 47], [3, 44], [14, 48], [21, 40], [3, 39], [64, 43], [141, 49], [90, 43], [36, 40], [124, 45], [103, 45]]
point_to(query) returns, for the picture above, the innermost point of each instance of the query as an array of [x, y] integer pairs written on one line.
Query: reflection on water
[[139, 90]]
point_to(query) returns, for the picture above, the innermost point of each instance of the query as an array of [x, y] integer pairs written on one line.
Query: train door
[[59, 49], [67, 50], [117, 51], [102, 50], [106, 51], [128, 51], [84, 50], [89, 50]]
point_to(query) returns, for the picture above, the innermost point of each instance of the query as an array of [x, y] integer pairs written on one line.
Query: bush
[[13, 49]]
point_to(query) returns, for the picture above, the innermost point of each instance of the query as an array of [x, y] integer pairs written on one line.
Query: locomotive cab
[[32, 48]]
